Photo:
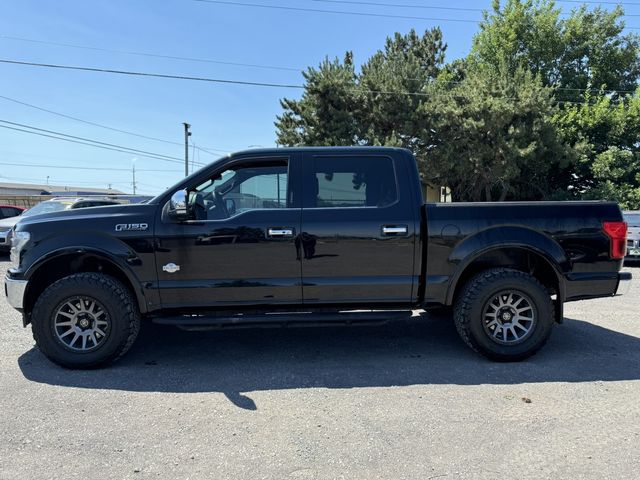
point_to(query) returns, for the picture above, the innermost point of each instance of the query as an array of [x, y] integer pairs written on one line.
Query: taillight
[[617, 233]]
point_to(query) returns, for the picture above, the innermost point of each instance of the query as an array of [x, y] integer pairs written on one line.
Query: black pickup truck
[[308, 236]]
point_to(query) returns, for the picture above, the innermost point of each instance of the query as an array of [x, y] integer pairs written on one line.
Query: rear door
[[358, 232]]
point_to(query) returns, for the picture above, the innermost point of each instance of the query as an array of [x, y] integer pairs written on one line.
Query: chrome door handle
[[395, 229], [280, 232]]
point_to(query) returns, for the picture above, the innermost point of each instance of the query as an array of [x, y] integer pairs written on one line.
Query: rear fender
[[500, 238]]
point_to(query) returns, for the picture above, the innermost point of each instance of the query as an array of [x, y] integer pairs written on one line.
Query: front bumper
[[14, 290], [5, 244], [624, 283]]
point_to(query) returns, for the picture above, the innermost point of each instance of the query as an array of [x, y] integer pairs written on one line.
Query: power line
[[85, 143], [206, 150], [344, 12], [64, 115], [204, 79], [598, 3], [339, 12], [394, 5], [157, 75], [132, 150], [149, 54], [73, 167], [433, 7], [239, 82]]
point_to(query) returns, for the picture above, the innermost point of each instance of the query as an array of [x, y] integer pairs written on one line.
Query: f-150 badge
[[171, 268], [128, 227]]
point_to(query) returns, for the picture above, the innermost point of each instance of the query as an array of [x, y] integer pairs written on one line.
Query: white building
[[27, 189]]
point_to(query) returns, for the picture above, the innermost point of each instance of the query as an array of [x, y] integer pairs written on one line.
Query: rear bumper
[[624, 283], [585, 285], [14, 290]]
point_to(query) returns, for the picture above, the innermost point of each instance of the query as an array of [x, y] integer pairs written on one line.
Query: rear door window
[[348, 182]]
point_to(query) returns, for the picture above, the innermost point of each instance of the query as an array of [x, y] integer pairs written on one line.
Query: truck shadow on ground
[[420, 350]]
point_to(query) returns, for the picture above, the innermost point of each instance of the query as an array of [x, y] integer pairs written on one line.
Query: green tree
[[541, 108], [326, 113], [496, 138], [605, 135], [393, 84], [376, 107], [583, 51]]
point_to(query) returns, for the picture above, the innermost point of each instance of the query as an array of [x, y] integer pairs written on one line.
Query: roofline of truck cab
[[275, 151]]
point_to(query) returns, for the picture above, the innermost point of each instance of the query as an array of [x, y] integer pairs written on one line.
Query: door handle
[[394, 229], [280, 232]]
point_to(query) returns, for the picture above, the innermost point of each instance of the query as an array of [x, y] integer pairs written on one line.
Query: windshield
[[633, 219], [48, 207]]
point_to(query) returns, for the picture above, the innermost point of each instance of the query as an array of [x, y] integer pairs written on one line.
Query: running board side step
[[286, 319]]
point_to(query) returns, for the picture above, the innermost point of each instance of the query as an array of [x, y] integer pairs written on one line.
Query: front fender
[[122, 255], [496, 238]]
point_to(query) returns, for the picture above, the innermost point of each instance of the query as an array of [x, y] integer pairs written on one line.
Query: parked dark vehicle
[[7, 211], [308, 236], [9, 216]]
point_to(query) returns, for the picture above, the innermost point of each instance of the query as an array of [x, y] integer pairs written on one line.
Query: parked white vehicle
[[633, 236]]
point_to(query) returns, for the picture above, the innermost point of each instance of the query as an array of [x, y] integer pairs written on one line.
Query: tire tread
[[99, 281], [470, 294]]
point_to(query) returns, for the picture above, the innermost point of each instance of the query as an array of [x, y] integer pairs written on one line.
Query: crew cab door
[[238, 246], [358, 230]]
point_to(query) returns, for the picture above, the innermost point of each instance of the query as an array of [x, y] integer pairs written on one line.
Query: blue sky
[[223, 117]]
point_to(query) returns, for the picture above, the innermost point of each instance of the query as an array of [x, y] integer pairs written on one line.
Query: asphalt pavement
[[406, 400]]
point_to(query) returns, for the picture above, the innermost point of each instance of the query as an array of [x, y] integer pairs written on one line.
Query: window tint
[[6, 212], [240, 189], [352, 182]]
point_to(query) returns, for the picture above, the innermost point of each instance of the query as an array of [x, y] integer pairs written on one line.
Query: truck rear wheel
[[504, 314], [85, 320]]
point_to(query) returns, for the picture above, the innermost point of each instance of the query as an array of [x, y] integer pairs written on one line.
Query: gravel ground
[[402, 401]]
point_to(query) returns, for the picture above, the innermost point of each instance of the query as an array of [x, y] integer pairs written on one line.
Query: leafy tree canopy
[[543, 106]]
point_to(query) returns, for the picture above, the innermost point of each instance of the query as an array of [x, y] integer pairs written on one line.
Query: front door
[[238, 247], [358, 231]]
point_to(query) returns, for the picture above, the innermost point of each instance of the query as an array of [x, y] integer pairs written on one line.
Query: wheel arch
[[539, 256], [67, 261]]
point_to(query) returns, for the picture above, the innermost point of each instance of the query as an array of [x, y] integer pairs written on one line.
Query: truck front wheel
[[85, 320], [505, 314]]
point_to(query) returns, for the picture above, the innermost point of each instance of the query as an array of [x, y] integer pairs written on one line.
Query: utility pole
[[133, 183], [187, 134]]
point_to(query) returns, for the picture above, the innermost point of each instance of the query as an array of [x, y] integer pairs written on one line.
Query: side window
[[339, 182], [6, 212], [244, 187]]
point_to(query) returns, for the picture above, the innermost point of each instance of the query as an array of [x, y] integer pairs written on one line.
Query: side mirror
[[178, 206]]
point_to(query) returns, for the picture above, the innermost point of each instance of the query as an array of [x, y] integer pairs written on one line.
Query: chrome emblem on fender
[[171, 268], [129, 227]]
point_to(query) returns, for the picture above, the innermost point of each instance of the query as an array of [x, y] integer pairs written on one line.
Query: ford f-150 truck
[[308, 236]]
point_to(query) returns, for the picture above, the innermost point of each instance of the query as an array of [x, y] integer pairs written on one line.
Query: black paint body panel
[[336, 257]]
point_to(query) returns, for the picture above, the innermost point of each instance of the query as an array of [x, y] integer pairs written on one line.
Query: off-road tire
[[470, 304], [120, 306]]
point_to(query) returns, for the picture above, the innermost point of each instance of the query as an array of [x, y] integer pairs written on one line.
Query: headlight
[[18, 241]]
